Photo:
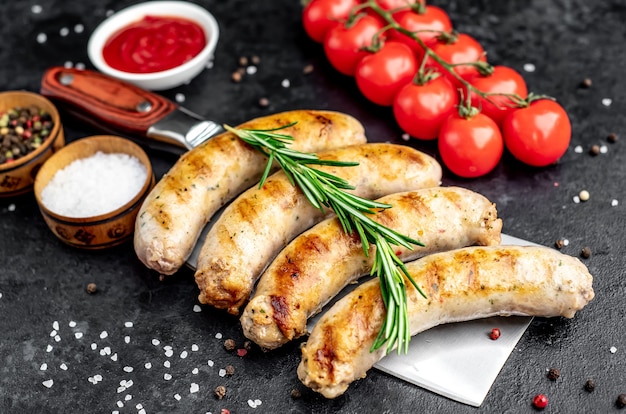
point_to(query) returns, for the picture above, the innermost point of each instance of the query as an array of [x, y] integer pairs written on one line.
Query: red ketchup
[[154, 44]]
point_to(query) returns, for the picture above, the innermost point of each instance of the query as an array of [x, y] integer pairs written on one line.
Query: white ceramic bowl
[[166, 79]]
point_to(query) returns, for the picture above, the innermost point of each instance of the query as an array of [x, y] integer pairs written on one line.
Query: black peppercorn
[[585, 253], [595, 150], [220, 392], [590, 385], [559, 243], [612, 137], [586, 83], [91, 288], [264, 102], [230, 370], [553, 374], [295, 393], [229, 344], [621, 401]]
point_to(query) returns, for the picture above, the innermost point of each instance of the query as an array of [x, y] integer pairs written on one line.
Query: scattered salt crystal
[[210, 363], [120, 404], [155, 342], [166, 364], [43, 367], [607, 101], [129, 383], [115, 412], [251, 70], [0, 295], [72, 324], [79, 28], [49, 348], [127, 339], [128, 369], [139, 406], [197, 308], [406, 137], [285, 83], [48, 383], [41, 38], [141, 411], [80, 65], [64, 31], [94, 346], [128, 397], [167, 376], [603, 149], [614, 203], [258, 402], [148, 365], [128, 324], [103, 334], [169, 353], [97, 377], [578, 149], [107, 350], [168, 347], [222, 372], [78, 335], [53, 333], [63, 366], [121, 389], [123, 383], [177, 396], [252, 404], [576, 199], [613, 350], [565, 242], [55, 325], [91, 186], [57, 338], [114, 357], [195, 371], [184, 354], [529, 67], [194, 347], [194, 388], [68, 64], [36, 9], [179, 97], [218, 335]]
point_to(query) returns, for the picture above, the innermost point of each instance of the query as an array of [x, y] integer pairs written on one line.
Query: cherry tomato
[[502, 80], [380, 75], [470, 146], [319, 16], [538, 134], [430, 24], [421, 108], [343, 45], [461, 48], [397, 4]]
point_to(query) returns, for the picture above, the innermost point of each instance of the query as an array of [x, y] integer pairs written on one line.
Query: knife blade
[[119, 107]]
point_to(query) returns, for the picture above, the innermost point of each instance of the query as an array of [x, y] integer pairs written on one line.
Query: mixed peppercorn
[[22, 130]]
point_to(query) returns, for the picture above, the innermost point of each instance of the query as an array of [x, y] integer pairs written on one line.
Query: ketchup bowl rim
[[168, 78]]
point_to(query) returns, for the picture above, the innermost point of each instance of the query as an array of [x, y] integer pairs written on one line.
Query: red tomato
[[470, 147], [420, 109], [319, 16], [462, 49], [380, 75], [343, 45], [538, 134], [434, 19], [397, 4], [503, 80]]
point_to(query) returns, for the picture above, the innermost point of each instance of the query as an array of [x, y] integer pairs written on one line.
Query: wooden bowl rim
[[88, 142], [36, 99]]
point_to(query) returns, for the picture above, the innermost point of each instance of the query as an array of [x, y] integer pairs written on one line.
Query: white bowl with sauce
[[193, 17]]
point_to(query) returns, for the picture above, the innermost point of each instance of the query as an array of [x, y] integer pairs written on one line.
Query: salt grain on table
[[91, 186]]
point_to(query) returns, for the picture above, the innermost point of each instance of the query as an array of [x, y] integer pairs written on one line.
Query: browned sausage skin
[[314, 268], [464, 284], [261, 221], [208, 176]]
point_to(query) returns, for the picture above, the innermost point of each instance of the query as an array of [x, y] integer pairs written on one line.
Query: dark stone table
[[42, 281]]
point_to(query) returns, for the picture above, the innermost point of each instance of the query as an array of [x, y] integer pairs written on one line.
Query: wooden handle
[[107, 102]]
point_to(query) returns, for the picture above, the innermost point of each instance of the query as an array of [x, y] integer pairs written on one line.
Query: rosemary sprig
[[327, 190]]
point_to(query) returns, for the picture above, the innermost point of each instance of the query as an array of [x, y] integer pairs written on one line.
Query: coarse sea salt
[[94, 185]]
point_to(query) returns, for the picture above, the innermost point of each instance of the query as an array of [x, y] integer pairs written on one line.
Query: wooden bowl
[[101, 231], [17, 177]]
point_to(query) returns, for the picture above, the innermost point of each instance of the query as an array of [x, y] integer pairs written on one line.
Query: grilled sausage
[[322, 261], [260, 222], [205, 178], [460, 285]]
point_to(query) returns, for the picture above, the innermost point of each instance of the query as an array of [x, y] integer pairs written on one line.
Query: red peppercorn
[[494, 334], [242, 352], [540, 401]]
